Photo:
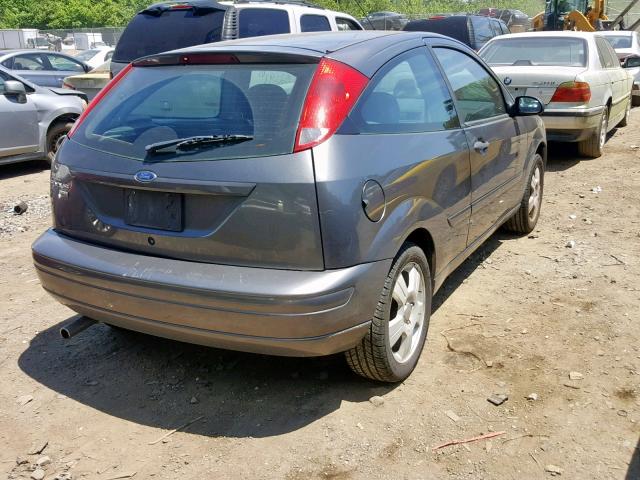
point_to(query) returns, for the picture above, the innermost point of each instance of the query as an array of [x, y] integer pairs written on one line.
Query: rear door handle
[[481, 146]]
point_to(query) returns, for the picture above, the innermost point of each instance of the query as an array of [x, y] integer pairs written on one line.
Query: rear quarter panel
[[426, 181]]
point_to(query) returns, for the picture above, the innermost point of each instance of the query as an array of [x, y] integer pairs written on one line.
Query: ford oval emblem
[[145, 176], [507, 80]]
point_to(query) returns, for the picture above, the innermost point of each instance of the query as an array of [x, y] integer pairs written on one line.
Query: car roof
[[617, 33], [30, 50], [319, 42], [365, 50], [565, 33]]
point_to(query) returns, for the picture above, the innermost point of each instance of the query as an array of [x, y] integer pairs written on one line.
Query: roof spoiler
[[200, 7]]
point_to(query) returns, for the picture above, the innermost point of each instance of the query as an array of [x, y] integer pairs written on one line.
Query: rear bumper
[[280, 312], [571, 125]]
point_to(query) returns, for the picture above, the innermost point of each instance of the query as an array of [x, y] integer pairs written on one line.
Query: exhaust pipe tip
[[79, 324]]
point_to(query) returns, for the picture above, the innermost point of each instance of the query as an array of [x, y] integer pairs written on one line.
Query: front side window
[[63, 64], [157, 104], [478, 95], [256, 22], [346, 24], [408, 95], [314, 23]]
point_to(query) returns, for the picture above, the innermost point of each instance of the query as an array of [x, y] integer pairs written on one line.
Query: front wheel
[[391, 348], [55, 135], [526, 218]]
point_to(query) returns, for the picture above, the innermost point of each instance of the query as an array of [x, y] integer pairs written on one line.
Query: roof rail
[[303, 3]]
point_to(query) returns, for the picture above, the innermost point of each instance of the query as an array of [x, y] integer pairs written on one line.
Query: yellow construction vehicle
[[571, 15]]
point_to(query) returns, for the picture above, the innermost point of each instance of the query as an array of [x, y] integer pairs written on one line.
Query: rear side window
[[408, 95], [256, 22], [155, 104], [29, 61], [148, 34], [346, 24], [314, 23], [478, 95], [606, 59], [482, 31]]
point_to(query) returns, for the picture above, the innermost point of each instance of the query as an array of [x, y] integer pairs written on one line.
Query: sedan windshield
[[538, 51]]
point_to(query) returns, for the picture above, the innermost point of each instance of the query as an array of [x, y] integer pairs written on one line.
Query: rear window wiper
[[194, 142]]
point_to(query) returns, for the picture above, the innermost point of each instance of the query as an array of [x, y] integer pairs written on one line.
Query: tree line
[[63, 14]]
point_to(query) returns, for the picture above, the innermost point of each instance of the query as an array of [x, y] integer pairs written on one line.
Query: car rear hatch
[[539, 82], [168, 26], [191, 156]]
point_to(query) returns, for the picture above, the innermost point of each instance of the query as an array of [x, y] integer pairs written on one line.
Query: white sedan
[[576, 75], [96, 56]]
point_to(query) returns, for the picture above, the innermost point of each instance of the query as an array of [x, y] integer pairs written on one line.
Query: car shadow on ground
[[165, 384], [634, 466], [562, 156], [12, 170]]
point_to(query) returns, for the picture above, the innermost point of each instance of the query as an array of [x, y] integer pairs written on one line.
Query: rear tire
[[391, 348], [627, 113], [635, 101], [526, 218], [593, 146], [56, 133]]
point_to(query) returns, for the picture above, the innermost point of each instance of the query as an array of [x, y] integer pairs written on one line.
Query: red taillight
[[572, 92], [181, 6], [68, 85], [333, 92], [101, 94]]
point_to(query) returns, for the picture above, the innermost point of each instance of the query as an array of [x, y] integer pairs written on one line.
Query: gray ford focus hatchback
[[291, 195]]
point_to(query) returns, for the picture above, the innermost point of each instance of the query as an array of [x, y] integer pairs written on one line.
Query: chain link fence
[[69, 41]]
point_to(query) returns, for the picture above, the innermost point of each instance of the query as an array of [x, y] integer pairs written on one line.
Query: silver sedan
[[33, 119]]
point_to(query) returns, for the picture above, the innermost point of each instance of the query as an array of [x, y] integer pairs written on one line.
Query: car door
[[493, 136], [612, 74], [62, 67], [18, 123]]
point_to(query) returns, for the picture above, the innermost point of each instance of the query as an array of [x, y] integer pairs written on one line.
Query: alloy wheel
[[535, 195], [407, 312]]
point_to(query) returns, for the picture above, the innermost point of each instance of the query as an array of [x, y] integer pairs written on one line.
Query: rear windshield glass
[[567, 52], [148, 34], [619, 41], [256, 22], [156, 104]]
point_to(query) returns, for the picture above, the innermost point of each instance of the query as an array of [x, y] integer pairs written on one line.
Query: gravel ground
[[549, 320]]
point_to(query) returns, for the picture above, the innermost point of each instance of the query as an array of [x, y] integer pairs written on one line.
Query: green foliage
[[57, 14]]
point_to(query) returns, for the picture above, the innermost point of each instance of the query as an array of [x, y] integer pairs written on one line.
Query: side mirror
[[527, 106], [14, 88], [631, 62]]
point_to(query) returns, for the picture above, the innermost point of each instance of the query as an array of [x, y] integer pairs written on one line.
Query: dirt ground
[[515, 319]]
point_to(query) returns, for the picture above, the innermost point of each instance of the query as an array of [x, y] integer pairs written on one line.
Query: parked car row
[[576, 75]]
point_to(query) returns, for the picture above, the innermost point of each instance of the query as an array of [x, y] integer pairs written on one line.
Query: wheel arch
[[422, 238]]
